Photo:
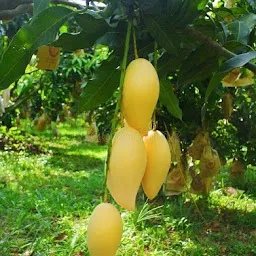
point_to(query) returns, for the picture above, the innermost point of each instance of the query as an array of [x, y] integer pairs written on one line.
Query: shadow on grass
[[221, 231], [73, 163]]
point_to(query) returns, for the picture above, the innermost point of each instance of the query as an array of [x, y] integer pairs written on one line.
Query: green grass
[[46, 200]]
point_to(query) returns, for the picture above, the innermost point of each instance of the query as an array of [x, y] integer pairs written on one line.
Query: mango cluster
[[139, 155]]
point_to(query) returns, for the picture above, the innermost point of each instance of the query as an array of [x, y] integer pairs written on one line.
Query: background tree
[[199, 43]]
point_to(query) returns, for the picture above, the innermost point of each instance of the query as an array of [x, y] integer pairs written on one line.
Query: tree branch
[[66, 2], [21, 101], [20, 9], [11, 9], [9, 5], [213, 45]]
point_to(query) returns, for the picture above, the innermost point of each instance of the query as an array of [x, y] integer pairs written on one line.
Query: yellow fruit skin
[[140, 94], [158, 163], [104, 231], [127, 166]]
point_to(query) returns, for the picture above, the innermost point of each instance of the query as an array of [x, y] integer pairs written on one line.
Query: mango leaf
[[91, 22], [150, 7], [252, 3], [166, 64], [214, 82], [201, 5], [40, 5], [184, 12], [101, 87], [199, 72], [241, 27], [237, 61], [188, 12], [169, 63], [169, 99], [94, 27], [73, 42], [249, 19], [159, 29], [113, 39], [239, 31], [40, 31], [198, 65]]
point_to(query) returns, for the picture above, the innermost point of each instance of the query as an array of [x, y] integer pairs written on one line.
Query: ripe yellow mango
[[127, 166], [140, 94], [104, 231], [158, 163]]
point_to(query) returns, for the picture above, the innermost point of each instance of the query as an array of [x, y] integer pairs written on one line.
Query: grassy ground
[[46, 200]]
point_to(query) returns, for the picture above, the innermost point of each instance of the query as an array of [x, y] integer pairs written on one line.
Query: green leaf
[[201, 5], [41, 31], [188, 12], [101, 87], [94, 27], [113, 39], [252, 3], [91, 22], [40, 5], [249, 19], [239, 31], [169, 63], [199, 72], [73, 42], [214, 82], [169, 99], [237, 61], [159, 29], [198, 65]]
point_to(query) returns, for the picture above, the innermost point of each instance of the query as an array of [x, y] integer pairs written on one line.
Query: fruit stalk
[[118, 104], [155, 65], [135, 43]]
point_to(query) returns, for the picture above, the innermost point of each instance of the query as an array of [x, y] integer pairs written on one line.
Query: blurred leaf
[[168, 98], [94, 27], [249, 19], [73, 42], [112, 39], [214, 82], [252, 3], [181, 13], [101, 87], [153, 7], [237, 61], [189, 11], [40, 5], [169, 63], [198, 65], [241, 27], [159, 29], [201, 5], [91, 22], [239, 31], [40, 31]]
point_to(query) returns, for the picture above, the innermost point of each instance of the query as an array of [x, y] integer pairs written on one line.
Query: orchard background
[[55, 125]]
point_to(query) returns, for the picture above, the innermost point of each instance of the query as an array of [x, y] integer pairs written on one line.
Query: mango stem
[[155, 65], [135, 43], [118, 106]]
